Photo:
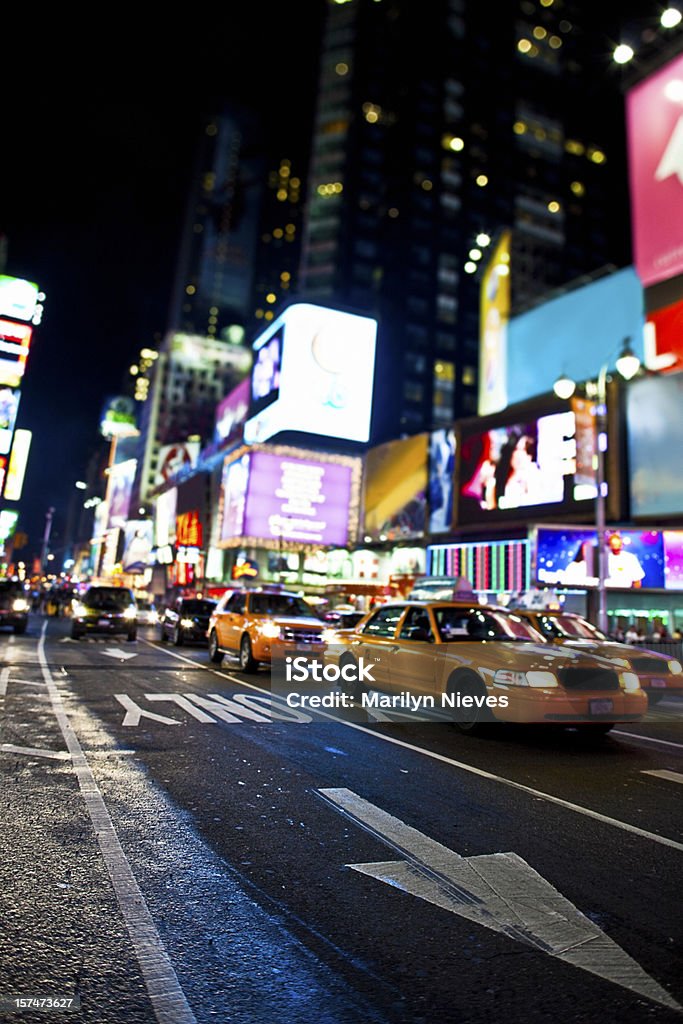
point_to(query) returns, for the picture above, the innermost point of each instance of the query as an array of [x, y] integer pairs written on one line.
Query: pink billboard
[[654, 113]]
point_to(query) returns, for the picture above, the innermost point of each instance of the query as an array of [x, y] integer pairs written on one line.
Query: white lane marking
[[184, 703], [647, 739], [57, 755], [134, 712], [577, 808], [662, 773], [118, 652], [219, 706], [499, 891], [4, 678], [167, 997]]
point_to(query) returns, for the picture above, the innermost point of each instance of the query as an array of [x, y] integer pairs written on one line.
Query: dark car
[[14, 605], [103, 610], [186, 620]]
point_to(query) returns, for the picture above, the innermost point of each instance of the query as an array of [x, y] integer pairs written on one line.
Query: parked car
[[14, 605], [491, 661], [250, 622], [659, 674], [147, 612], [186, 620], [104, 610]]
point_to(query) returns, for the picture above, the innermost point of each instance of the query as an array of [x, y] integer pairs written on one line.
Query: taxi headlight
[[329, 636], [78, 608], [130, 612], [506, 677], [629, 681], [270, 630], [20, 604], [187, 623], [675, 667]]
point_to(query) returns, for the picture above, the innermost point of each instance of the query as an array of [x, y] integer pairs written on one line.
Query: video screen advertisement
[[528, 464], [654, 416], [396, 480], [313, 373], [287, 496], [567, 556], [654, 139], [441, 488]]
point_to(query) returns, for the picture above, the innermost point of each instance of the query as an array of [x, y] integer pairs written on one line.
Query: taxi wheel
[[214, 654], [468, 685], [247, 661]]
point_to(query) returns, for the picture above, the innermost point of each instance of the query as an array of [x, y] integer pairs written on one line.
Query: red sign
[[189, 530]]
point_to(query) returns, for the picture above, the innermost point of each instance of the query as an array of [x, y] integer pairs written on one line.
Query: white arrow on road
[[499, 891], [118, 652]]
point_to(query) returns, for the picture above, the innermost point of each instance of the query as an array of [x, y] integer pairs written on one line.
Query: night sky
[[96, 166]]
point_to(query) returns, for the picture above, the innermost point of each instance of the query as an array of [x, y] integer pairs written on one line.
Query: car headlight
[[130, 612], [187, 623], [329, 636], [20, 604], [154, 616], [506, 677], [270, 629], [78, 609], [675, 667], [629, 681]]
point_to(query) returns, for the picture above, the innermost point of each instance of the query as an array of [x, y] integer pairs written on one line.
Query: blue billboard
[[574, 334]]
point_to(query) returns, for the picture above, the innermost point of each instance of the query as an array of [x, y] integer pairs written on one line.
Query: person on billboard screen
[[624, 568], [519, 480]]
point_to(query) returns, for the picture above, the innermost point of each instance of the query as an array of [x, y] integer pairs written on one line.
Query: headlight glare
[[329, 636], [630, 681], [130, 612], [187, 623], [20, 604], [271, 630], [78, 608], [675, 667]]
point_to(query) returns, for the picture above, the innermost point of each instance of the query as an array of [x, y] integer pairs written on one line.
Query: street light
[[627, 364]]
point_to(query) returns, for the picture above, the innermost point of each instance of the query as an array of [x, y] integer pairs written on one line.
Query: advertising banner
[[636, 559], [18, 298], [119, 489], [15, 342], [18, 460], [233, 410], [654, 119], [173, 458], [441, 480], [137, 545], [494, 316], [654, 416], [517, 466], [396, 489], [9, 406]]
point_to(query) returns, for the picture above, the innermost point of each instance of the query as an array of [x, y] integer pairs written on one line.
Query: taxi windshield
[[456, 624], [569, 626], [280, 604]]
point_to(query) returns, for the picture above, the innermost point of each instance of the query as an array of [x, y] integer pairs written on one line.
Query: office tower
[[437, 127]]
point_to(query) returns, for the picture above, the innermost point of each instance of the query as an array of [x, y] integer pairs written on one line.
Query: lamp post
[[627, 364]]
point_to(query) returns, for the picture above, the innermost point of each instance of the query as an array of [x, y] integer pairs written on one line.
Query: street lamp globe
[[628, 362], [564, 387]]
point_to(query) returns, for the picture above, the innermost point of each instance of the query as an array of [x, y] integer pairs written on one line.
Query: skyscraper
[[437, 128]]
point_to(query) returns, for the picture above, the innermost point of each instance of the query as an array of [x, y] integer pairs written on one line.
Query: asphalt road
[[170, 851]]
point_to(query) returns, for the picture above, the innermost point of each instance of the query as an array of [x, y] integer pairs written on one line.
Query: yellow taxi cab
[[485, 664], [250, 623], [660, 675]]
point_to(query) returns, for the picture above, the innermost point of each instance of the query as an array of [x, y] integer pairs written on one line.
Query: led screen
[[234, 492], [523, 465], [18, 460], [298, 500], [325, 379], [18, 298], [121, 477], [396, 489], [15, 341], [265, 374], [654, 412], [568, 557], [9, 406], [137, 545], [441, 480]]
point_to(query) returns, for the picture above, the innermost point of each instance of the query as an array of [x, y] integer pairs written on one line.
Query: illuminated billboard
[[137, 545], [15, 342], [9, 406], [567, 556], [18, 298], [288, 496], [119, 490], [654, 119], [519, 466], [165, 517], [232, 411], [574, 334], [316, 375], [441, 480], [16, 470], [395, 489], [174, 458], [654, 416], [493, 319]]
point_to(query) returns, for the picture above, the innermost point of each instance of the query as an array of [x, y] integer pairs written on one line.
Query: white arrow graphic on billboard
[[672, 157], [499, 891]]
